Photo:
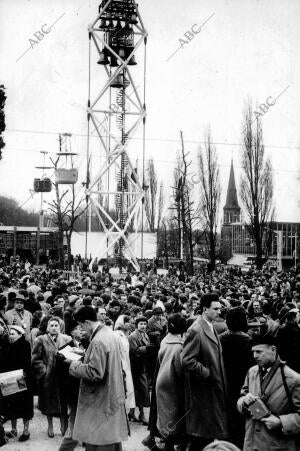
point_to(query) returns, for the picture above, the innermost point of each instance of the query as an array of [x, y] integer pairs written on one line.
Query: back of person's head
[[3, 301], [267, 308], [136, 310], [208, 299], [11, 296], [235, 302], [168, 308], [85, 313], [40, 297], [44, 324], [236, 320], [176, 324], [106, 298], [31, 296], [36, 318], [148, 305], [87, 300]]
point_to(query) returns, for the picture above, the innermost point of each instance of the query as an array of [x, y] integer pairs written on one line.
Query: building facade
[[281, 240], [231, 215]]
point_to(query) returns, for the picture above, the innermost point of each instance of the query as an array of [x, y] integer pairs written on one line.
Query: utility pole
[[41, 212]]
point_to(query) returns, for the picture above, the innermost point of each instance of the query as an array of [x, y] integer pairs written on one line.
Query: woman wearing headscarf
[[19, 405], [139, 351], [44, 364], [170, 384], [121, 330]]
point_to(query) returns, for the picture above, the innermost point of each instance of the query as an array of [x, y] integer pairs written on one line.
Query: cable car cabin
[[66, 176], [42, 185]]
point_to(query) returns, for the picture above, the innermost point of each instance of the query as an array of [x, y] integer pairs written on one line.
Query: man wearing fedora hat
[[275, 388], [18, 316]]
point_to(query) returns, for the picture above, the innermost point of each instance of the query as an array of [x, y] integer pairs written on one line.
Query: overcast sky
[[247, 49]]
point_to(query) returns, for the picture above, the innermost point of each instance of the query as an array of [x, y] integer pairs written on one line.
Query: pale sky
[[247, 49]]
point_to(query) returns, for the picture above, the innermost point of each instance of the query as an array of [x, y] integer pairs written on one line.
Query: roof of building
[[231, 199], [27, 229]]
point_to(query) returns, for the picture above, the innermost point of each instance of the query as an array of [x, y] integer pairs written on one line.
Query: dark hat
[[3, 301], [176, 324], [157, 311], [140, 319], [285, 311], [264, 340]]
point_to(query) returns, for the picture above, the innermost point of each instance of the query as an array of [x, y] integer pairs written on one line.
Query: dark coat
[[288, 340], [205, 386], [237, 359], [19, 405], [68, 385], [4, 357], [138, 361], [257, 436], [44, 364]]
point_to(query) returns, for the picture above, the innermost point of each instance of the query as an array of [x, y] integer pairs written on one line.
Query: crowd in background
[[185, 343]]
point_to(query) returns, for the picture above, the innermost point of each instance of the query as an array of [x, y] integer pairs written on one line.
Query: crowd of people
[[214, 356]]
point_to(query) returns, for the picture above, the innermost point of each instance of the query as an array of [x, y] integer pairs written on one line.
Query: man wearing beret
[[276, 387]]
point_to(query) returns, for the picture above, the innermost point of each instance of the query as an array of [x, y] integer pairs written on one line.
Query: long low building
[[28, 241]]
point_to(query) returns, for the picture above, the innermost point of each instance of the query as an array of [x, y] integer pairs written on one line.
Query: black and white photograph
[[149, 225]]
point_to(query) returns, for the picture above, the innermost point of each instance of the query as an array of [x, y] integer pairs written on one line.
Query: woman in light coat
[[121, 330], [44, 365], [170, 384]]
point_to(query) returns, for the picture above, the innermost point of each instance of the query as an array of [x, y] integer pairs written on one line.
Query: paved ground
[[39, 441]]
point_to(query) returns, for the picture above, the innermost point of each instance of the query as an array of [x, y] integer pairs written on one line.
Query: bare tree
[[161, 202], [154, 199], [210, 191], [185, 211], [2, 117], [151, 194], [256, 188], [176, 206]]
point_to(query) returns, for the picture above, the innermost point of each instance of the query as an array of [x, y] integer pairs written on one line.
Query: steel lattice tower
[[115, 112]]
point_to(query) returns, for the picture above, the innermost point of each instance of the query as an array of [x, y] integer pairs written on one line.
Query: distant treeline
[[11, 214]]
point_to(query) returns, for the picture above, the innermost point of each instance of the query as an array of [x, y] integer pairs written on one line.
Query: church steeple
[[231, 209]]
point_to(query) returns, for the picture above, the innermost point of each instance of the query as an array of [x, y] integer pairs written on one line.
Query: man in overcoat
[[101, 421], [278, 386], [205, 386]]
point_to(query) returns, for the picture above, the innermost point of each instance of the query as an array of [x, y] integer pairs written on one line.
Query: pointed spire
[[231, 199]]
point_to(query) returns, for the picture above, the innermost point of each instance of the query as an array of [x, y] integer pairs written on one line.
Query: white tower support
[[115, 113]]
